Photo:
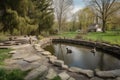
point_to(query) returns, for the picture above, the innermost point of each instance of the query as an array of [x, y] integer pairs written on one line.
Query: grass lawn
[[110, 37], [67, 34], [3, 55], [9, 74]]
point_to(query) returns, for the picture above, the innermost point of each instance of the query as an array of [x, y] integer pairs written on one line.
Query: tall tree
[[86, 18], [62, 8], [44, 14], [104, 9]]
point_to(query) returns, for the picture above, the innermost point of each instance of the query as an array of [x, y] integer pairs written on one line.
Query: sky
[[78, 4]]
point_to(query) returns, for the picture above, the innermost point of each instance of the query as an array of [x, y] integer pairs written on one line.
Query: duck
[[69, 50], [93, 50]]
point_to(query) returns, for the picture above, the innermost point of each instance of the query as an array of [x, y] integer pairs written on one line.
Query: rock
[[52, 61], [12, 52], [118, 78], [23, 65], [89, 73], [51, 57], [32, 58], [108, 74], [64, 76], [58, 63], [71, 78], [51, 74], [96, 78], [64, 66], [36, 73], [46, 53], [19, 55]]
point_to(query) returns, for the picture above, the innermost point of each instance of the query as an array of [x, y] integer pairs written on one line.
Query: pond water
[[83, 58]]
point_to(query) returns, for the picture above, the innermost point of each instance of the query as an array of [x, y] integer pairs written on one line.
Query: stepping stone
[[51, 74], [58, 63], [12, 52], [19, 56], [89, 73], [46, 53], [71, 78], [32, 58], [36, 73], [108, 74], [96, 78], [64, 76]]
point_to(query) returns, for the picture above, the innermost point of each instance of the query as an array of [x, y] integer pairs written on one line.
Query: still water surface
[[83, 58]]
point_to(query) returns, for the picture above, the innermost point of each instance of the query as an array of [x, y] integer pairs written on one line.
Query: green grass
[[67, 35], [15, 74], [110, 37], [12, 74], [3, 55], [56, 78]]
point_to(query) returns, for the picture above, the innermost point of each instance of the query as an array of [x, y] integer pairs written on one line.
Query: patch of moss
[[56, 78]]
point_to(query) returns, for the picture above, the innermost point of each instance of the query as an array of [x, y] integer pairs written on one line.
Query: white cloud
[[77, 8]]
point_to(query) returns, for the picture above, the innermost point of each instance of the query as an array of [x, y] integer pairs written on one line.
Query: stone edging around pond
[[113, 49], [53, 59]]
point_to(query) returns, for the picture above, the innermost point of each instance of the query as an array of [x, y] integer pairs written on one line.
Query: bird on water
[[68, 51]]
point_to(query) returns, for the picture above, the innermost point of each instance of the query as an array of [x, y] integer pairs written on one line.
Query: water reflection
[[83, 58]]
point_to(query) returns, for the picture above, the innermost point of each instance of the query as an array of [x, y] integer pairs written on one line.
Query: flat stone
[[118, 78], [64, 66], [23, 65], [51, 74], [36, 73], [71, 78], [64, 76], [32, 58], [96, 78], [52, 61], [12, 52], [89, 73], [46, 53], [51, 57], [108, 74], [19, 55], [58, 63]]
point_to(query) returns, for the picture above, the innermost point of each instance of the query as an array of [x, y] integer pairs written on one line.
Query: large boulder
[[89, 73], [51, 74], [108, 74]]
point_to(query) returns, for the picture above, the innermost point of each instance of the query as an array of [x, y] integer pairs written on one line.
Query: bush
[[3, 37], [40, 37]]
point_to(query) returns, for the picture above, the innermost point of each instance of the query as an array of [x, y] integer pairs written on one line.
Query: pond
[[82, 57]]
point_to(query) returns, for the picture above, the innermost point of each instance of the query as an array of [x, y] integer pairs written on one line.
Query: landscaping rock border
[[89, 73]]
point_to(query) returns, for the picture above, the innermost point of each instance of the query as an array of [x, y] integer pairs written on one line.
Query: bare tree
[[104, 9], [62, 8]]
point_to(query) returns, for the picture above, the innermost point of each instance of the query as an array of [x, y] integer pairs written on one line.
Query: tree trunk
[[104, 26]]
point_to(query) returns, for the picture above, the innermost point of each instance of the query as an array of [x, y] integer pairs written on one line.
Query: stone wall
[[101, 46]]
